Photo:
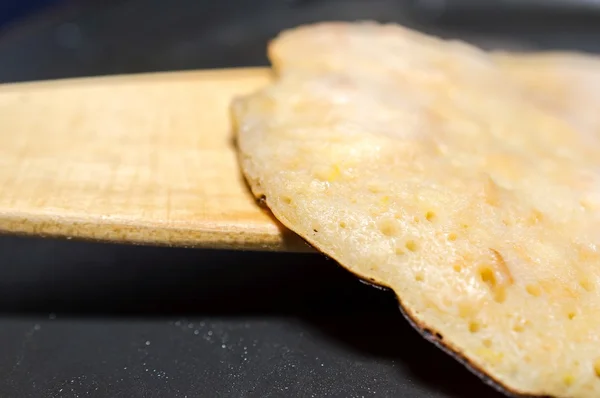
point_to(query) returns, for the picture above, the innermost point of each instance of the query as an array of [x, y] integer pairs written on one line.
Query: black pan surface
[[85, 319]]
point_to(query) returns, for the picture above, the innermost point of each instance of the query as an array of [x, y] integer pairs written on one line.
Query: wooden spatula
[[150, 158], [140, 159]]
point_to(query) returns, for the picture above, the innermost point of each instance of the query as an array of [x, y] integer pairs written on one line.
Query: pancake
[[567, 83], [420, 165]]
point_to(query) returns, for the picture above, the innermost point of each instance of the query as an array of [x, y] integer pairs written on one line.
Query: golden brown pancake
[[420, 165], [567, 83]]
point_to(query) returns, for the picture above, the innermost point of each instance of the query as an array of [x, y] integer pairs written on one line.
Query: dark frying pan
[[82, 319]]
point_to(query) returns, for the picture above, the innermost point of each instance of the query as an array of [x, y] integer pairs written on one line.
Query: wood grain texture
[[145, 159]]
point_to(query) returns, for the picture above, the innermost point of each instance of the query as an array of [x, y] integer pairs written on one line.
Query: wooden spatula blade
[[150, 158], [143, 159]]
